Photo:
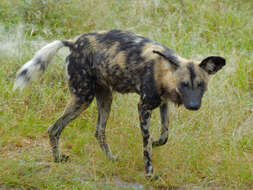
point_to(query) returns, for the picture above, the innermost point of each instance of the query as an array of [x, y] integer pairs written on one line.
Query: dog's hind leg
[[164, 113], [104, 101], [73, 109]]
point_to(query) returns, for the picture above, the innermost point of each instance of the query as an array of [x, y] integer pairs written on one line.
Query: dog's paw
[[62, 158], [151, 177], [113, 158]]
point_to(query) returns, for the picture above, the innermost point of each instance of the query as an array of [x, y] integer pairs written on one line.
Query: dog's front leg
[[164, 113], [144, 116]]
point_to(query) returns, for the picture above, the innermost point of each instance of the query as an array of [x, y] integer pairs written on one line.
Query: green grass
[[208, 149]]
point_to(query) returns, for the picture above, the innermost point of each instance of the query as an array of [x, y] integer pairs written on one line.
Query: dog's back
[[115, 59]]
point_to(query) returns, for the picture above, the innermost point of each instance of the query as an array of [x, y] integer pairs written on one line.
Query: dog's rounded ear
[[169, 57], [212, 64]]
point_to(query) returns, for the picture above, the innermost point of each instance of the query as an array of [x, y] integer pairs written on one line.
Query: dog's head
[[186, 81]]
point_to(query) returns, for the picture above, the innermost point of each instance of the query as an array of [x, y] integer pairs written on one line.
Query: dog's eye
[[201, 85], [185, 84]]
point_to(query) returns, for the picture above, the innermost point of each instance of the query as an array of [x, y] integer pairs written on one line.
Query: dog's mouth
[[192, 103], [192, 107]]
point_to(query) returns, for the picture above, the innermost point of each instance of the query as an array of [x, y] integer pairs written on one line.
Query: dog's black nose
[[193, 106]]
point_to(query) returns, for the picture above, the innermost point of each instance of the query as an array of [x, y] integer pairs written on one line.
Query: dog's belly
[[118, 79]]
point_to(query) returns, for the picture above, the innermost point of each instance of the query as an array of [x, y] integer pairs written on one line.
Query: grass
[[209, 149]]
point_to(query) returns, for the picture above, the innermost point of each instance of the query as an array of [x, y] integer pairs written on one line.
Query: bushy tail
[[38, 64]]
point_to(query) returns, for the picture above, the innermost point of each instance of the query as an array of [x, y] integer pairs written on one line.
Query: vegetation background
[[208, 149]]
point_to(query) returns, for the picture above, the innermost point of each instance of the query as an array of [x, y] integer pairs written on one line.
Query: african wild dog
[[121, 61]]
